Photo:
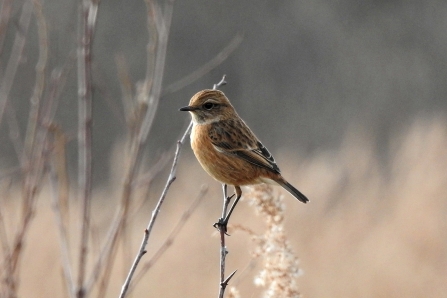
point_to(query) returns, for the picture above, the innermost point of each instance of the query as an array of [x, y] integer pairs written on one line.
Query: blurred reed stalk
[[31, 152], [88, 11]]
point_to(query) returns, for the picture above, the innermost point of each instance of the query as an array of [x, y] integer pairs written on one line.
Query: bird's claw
[[221, 225]]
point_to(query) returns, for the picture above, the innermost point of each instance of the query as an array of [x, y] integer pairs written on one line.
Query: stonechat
[[228, 150]]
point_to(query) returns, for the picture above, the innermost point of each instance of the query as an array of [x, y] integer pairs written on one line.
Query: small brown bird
[[228, 150]]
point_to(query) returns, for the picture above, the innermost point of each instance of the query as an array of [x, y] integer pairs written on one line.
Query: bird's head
[[208, 106]]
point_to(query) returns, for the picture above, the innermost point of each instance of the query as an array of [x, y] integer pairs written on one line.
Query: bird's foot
[[221, 225]]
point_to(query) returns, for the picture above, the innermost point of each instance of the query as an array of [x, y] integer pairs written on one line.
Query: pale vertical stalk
[[35, 101], [63, 240], [5, 14], [163, 24], [32, 170], [16, 54], [87, 21]]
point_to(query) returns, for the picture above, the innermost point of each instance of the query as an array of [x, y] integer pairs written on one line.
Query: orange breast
[[223, 167]]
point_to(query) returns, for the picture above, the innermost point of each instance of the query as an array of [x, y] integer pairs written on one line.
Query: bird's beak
[[188, 109]]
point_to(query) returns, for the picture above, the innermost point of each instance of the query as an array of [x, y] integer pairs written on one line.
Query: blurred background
[[350, 97]]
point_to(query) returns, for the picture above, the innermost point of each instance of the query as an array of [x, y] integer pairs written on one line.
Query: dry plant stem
[[154, 81], [155, 212], [32, 161], [16, 54], [15, 135], [163, 24], [170, 240], [35, 102], [87, 20], [223, 249], [66, 266]]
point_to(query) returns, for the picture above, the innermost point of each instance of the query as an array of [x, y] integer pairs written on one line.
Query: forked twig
[[222, 229], [223, 249]]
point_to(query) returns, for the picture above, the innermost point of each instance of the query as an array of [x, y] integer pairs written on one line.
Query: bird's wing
[[235, 138]]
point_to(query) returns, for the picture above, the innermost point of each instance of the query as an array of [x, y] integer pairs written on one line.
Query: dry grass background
[[370, 230]]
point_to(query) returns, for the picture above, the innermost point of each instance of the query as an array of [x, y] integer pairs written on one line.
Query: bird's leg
[[227, 200], [223, 221], [219, 224]]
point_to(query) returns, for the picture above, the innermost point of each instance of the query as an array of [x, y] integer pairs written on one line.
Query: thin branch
[[162, 23], [14, 134], [63, 239], [87, 20], [170, 239], [35, 102], [223, 249], [155, 212], [34, 170], [222, 229]]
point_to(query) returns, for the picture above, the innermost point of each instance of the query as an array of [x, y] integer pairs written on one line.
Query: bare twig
[[153, 80], [34, 169], [155, 212], [222, 229], [163, 22], [223, 249], [65, 258], [35, 102], [170, 239], [87, 20], [14, 134]]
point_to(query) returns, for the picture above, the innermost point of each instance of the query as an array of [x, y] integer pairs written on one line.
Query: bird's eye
[[208, 105]]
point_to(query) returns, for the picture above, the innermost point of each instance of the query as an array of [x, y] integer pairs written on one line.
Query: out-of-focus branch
[[87, 21], [35, 102], [163, 24], [207, 67], [56, 186], [32, 161], [145, 107], [16, 54]]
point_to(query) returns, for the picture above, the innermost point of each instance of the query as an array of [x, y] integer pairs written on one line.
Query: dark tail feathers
[[293, 191]]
